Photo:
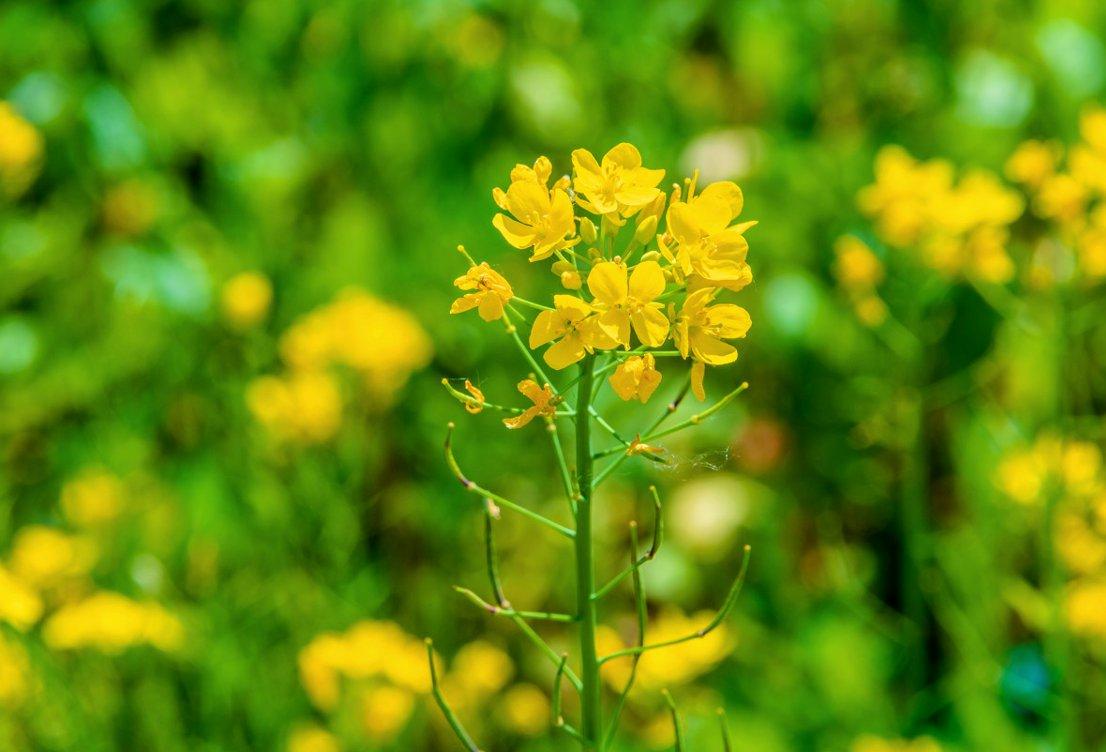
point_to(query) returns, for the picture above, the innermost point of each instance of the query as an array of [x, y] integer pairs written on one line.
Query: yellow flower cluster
[[1071, 194], [870, 743], [961, 228], [1070, 475], [93, 498], [381, 343], [15, 672], [111, 623], [672, 666], [246, 299], [380, 671], [21, 149], [859, 272], [630, 286]]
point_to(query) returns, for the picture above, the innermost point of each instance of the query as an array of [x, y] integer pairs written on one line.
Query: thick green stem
[[591, 721]]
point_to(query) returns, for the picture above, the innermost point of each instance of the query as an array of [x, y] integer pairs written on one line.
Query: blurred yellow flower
[[636, 377], [1062, 197], [305, 406], [619, 186], [20, 605], [856, 266], [381, 342], [368, 650], [385, 711], [541, 218], [92, 498], [21, 148], [524, 710], [1085, 607], [481, 668], [111, 622], [44, 556], [246, 299], [627, 300], [1033, 162], [672, 666], [492, 292], [901, 198], [870, 743], [130, 208], [15, 673], [312, 739]]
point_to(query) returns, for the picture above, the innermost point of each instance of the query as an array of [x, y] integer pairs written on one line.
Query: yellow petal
[[478, 405], [565, 352], [584, 162], [465, 303], [646, 281], [712, 350], [521, 419], [650, 326], [607, 282], [491, 307], [698, 370], [514, 232], [547, 327], [624, 155], [732, 321]]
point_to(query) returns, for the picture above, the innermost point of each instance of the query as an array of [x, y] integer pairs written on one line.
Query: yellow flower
[[21, 147], [306, 406], [93, 498], [20, 605], [709, 247], [1033, 162], [43, 556], [542, 218], [1085, 605], [1062, 198], [870, 309], [15, 673], [246, 299], [111, 622], [623, 302], [636, 377], [312, 739], [856, 267], [618, 186], [477, 405], [700, 328], [901, 198], [1092, 127], [525, 710], [673, 666], [572, 323], [385, 711], [481, 669], [869, 743], [545, 403], [492, 292]]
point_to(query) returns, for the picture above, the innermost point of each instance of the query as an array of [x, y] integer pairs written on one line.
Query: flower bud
[[571, 280], [645, 231], [562, 266], [651, 256], [595, 254], [587, 230]]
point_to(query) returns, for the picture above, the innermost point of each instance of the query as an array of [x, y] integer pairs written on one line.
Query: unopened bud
[[587, 230], [651, 256], [562, 266], [571, 280], [646, 229]]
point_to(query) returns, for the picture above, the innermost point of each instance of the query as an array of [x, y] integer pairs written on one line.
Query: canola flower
[[246, 299], [111, 623], [304, 405], [94, 498], [21, 151], [648, 277]]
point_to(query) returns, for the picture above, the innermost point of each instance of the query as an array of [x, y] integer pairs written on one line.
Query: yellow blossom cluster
[[868, 743], [111, 623], [650, 272], [93, 498], [246, 299], [960, 227], [1069, 475], [379, 342], [673, 666], [859, 272], [380, 671], [1069, 191], [21, 149]]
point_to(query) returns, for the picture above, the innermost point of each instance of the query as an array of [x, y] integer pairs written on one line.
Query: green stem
[[591, 710]]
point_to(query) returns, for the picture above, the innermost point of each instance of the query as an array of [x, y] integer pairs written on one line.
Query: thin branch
[[490, 558], [675, 720], [639, 599], [723, 612], [472, 487], [468, 399], [558, 718], [637, 561], [505, 611], [726, 745], [672, 407], [549, 652], [698, 418], [562, 464], [447, 711]]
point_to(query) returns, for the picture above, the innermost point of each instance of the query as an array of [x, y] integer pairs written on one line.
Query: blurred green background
[[207, 547]]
